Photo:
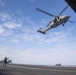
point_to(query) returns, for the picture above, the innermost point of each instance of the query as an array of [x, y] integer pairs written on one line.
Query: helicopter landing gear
[[63, 25]]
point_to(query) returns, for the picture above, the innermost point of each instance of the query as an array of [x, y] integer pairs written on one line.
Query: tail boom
[[40, 31]]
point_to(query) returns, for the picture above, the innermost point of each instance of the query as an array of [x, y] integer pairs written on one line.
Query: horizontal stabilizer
[[40, 31]]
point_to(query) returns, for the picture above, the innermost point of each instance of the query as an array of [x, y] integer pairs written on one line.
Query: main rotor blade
[[63, 10], [71, 21], [45, 12]]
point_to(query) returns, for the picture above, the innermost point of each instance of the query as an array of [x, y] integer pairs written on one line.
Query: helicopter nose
[[67, 17]]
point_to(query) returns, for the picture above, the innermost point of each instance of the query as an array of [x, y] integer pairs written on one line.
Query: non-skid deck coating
[[35, 70]]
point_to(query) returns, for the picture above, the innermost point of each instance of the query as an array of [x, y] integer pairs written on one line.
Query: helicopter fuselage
[[55, 23], [58, 21]]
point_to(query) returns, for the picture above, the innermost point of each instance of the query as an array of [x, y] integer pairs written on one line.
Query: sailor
[[5, 61]]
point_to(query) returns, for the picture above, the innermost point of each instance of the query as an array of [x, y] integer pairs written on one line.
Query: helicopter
[[56, 21]]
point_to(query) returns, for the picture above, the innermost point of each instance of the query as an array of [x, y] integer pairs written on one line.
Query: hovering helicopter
[[58, 20]]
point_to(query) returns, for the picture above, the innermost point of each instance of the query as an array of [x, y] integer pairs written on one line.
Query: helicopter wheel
[[63, 24]]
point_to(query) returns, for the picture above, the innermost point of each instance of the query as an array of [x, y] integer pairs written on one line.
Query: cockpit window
[[55, 20], [58, 17]]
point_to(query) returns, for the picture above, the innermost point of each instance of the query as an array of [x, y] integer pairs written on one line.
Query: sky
[[20, 41]]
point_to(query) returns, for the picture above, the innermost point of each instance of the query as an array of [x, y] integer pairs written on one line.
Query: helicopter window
[[50, 21], [58, 17], [55, 20]]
